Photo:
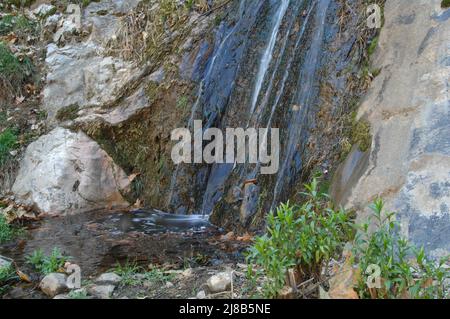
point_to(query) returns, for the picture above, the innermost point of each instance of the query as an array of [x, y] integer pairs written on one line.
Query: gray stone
[[53, 284], [5, 262], [110, 278], [201, 294], [101, 291], [219, 282], [67, 172], [44, 10]]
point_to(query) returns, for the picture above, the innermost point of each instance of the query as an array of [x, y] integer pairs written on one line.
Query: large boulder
[[65, 172], [408, 108], [53, 284]]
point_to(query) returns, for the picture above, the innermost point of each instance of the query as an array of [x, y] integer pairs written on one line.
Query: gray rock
[[44, 10], [110, 278], [101, 291], [62, 296], [219, 282], [67, 172], [5, 262], [201, 294], [53, 284]]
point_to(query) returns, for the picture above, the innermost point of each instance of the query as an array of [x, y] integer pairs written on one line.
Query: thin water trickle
[[268, 53]]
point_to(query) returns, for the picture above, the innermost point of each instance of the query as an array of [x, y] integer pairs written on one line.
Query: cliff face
[[408, 107], [135, 70]]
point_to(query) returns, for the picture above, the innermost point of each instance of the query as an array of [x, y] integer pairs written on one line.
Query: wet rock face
[[408, 107], [64, 172]]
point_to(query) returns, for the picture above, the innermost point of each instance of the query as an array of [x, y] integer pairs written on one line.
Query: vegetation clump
[[445, 4], [133, 275], [303, 238], [7, 232], [8, 141], [14, 71], [47, 264], [7, 276], [406, 272]]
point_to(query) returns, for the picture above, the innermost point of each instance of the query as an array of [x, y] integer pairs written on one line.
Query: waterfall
[[303, 97], [268, 53]]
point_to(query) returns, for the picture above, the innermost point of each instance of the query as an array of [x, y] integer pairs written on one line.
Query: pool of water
[[154, 221]]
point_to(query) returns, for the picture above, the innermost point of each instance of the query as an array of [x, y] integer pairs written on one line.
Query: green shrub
[[445, 4], [47, 264], [18, 24], [8, 140], [303, 238], [128, 273], [7, 275], [20, 3], [8, 232], [405, 270]]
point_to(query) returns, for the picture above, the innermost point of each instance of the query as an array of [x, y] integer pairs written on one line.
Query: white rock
[[169, 284], [44, 10], [67, 172], [110, 278], [54, 284], [220, 282], [187, 272], [201, 294]]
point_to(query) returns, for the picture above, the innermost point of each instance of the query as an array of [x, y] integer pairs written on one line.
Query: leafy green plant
[[47, 264], [183, 102], [405, 270], [445, 4], [18, 24], [7, 275], [6, 231], [157, 275], [128, 272], [8, 140], [9, 232], [303, 238]]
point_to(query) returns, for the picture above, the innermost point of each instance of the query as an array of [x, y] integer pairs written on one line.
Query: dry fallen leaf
[[19, 100], [23, 276], [245, 238], [228, 236]]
